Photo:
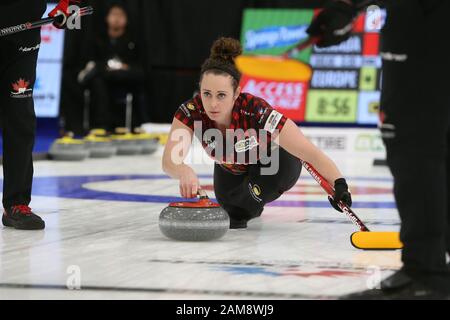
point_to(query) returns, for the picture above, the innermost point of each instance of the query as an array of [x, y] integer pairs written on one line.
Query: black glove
[[334, 23], [341, 193]]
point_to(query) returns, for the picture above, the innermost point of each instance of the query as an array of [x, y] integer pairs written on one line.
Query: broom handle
[[330, 190], [36, 24]]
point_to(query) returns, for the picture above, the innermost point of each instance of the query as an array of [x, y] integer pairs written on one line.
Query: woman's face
[[117, 18], [218, 96]]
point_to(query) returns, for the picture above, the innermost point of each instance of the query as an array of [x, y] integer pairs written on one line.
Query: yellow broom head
[[373, 240]]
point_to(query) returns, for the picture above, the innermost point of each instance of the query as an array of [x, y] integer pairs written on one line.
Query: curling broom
[[363, 239], [37, 24]]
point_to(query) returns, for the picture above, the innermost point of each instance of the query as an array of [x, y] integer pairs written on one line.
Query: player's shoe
[[21, 217]]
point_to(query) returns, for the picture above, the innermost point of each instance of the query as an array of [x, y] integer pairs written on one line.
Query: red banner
[[287, 97]]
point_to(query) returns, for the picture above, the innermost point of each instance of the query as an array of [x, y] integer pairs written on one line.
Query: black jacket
[[124, 48], [14, 12]]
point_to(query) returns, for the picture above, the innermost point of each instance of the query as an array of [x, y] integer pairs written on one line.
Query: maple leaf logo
[[20, 86]]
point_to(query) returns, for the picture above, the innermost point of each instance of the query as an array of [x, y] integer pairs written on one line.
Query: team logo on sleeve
[[246, 144], [185, 110], [21, 89], [272, 121]]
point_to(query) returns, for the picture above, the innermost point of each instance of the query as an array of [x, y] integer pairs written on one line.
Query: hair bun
[[226, 49]]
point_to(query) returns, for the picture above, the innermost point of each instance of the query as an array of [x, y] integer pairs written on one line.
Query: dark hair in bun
[[221, 59], [225, 49]]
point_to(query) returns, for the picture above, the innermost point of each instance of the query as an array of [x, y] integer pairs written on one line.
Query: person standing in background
[[415, 116], [114, 67], [18, 60]]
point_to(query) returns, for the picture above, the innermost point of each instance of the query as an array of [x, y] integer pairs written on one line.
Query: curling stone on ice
[[99, 144], [126, 142], [68, 149], [202, 220], [146, 140]]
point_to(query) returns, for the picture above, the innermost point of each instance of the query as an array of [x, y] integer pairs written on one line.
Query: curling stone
[[126, 142], [98, 132], [203, 220], [147, 141], [100, 146], [68, 149]]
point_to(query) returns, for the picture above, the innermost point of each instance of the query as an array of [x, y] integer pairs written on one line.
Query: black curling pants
[[18, 59], [417, 139], [244, 196]]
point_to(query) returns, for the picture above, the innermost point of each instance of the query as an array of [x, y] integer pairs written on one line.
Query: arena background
[[174, 37]]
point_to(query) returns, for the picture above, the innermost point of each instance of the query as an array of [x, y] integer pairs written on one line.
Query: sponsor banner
[[275, 31], [335, 79], [288, 97], [267, 38], [368, 107], [339, 73], [332, 106], [347, 142], [328, 142], [371, 61], [336, 61], [369, 142], [351, 46]]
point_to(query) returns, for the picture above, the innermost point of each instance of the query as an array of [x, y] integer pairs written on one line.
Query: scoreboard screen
[[344, 86]]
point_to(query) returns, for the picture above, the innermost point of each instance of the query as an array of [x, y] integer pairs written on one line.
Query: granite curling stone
[[203, 220], [68, 149]]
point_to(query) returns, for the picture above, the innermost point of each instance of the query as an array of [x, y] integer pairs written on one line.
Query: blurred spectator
[[113, 71]]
